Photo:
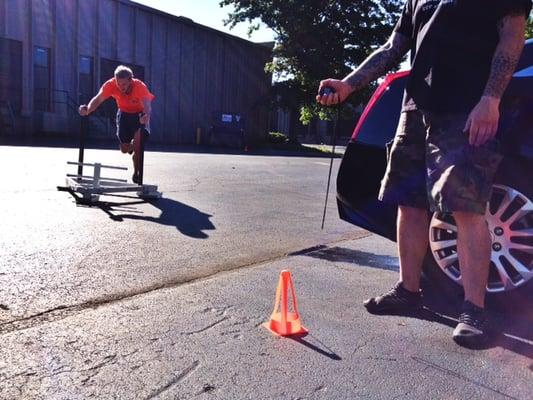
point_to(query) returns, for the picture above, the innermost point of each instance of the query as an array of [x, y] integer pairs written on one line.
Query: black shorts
[[128, 124]]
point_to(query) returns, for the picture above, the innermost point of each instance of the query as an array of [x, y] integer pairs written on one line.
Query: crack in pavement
[[205, 328], [63, 369], [175, 380], [95, 370], [64, 311], [107, 360], [357, 348]]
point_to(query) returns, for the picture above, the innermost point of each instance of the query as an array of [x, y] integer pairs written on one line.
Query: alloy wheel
[[509, 217]]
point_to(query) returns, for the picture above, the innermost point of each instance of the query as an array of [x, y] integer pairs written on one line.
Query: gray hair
[[123, 72]]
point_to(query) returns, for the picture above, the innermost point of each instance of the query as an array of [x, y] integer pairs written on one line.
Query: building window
[[86, 65], [86, 79], [41, 79]]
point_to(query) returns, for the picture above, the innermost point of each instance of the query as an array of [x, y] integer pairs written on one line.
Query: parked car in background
[[510, 211]]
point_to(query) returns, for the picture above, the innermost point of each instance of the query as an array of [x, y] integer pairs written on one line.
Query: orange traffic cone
[[285, 323]]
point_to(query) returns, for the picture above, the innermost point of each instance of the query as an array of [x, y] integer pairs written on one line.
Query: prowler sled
[[88, 188]]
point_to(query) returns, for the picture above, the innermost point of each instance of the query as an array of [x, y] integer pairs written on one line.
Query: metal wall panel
[[171, 100], [107, 28], [246, 93], [215, 73], [142, 37], [186, 88], [87, 27], [158, 72], [231, 90], [16, 19], [257, 115], [126, 33], [66, 60], [43, 22], [242, 84], [200, 87], [3, 22]]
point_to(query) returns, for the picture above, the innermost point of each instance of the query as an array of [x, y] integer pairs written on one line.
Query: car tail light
[[375, 98]]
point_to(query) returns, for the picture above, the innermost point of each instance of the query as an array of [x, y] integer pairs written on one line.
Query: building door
[[11, 73], [41, 79]]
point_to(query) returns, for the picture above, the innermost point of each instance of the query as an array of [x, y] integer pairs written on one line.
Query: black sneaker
[[135, 178], [398, 299], [473, 328]]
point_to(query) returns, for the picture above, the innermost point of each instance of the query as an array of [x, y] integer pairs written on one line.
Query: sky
[[209, 13]]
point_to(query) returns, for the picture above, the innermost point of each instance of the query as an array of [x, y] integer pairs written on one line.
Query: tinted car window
[[527, 56], [380, 124]]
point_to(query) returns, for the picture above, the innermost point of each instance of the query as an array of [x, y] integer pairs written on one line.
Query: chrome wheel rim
[[509, 217]]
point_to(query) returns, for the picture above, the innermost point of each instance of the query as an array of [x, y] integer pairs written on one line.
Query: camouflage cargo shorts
[[431, 165]]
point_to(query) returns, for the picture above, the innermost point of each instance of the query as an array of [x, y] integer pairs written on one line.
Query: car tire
[[510, 219]]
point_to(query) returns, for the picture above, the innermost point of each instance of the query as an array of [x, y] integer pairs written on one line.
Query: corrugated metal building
[[55, 54]]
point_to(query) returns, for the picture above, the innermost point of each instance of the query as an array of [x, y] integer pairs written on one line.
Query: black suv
[[509, 214]]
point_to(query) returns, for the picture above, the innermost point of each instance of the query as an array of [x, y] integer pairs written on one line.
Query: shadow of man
[[187, 220]]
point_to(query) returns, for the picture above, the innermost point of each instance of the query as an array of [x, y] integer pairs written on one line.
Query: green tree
[[529, 28], [317, 39]]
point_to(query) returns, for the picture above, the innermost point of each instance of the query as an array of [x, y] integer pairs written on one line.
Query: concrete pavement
[[204, 340]]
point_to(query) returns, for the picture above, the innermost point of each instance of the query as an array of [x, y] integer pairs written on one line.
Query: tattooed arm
[[378, 63], [381, 61], [482, 123], [507, 54]]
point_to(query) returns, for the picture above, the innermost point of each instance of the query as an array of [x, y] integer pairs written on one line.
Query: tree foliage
[[317, 39], [529, 28]]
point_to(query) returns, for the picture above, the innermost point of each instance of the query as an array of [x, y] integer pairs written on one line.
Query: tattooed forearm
[[506, 55], [381, 61], [503, 66]]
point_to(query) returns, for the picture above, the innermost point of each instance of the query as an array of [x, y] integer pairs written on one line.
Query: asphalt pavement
[[218, 212], [180, 314]]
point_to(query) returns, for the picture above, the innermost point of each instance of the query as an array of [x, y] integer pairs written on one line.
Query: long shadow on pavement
[[513, 331], [320, 347], [188, 220], [342, 254]]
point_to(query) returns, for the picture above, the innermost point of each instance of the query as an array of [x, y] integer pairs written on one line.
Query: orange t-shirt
[[130, 103]]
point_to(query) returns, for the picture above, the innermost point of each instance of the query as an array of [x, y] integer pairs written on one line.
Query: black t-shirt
[[453, 43]]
